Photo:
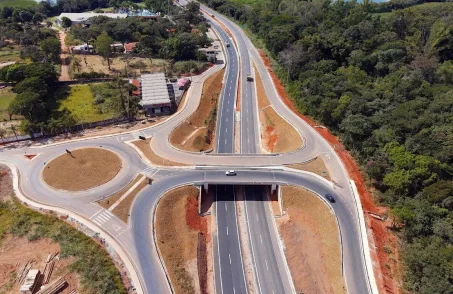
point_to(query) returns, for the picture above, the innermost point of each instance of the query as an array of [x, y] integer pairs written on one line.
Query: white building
[[82, 18], [155, 95]]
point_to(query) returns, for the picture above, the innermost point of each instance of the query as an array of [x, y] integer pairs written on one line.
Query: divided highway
[[137, 240]]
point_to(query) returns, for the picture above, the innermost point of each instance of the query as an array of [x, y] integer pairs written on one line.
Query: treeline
[[384, 84], [37, 97], [178, 39]]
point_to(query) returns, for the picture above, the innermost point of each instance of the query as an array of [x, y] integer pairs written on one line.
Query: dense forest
[[380, 76]]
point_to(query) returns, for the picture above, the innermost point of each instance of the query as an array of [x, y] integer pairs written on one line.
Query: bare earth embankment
[[316, 166], [82, 169], [277, 134], [197, 133], [183, 239], [144, 147], [311, 237]]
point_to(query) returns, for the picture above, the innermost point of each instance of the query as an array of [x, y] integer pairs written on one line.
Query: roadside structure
[[155, 95], [83, 18]]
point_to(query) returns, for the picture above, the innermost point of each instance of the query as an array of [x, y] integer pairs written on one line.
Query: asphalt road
[[228, 266], [136, 238], [229, 273]]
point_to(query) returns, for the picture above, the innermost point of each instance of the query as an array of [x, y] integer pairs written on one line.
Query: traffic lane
[[225, 119], [353, 264], [266, 266], [351, 244], [32, 184], [229, 248]]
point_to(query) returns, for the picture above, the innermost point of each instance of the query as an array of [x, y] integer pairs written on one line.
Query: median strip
[[278, 136], [197, 133]]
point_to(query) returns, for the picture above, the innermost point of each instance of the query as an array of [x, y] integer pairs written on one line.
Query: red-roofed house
[[129, 47], [136, 83]]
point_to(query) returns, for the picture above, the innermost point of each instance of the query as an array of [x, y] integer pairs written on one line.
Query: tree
[[157, 5], [2, 133], [66, 22], [25, 104], [103, 46], [13, 129], [52, 48]]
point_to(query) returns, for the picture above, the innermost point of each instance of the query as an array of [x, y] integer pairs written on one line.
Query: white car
[[230, 173]]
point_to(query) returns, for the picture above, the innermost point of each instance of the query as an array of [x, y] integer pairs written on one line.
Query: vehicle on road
[[230, 173], [249, 78], [330, 198], [227, 44]]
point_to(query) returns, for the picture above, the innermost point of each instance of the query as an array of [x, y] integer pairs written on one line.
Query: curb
[[366, 255], [131, 268]]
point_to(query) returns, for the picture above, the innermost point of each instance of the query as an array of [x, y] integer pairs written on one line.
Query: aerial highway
[[136, 239]]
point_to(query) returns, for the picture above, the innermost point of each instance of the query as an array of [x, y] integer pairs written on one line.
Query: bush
[[90, 75], [94, 266]]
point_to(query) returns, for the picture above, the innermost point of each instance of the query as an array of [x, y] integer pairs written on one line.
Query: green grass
[[9, 54], [96, 270], [80, 103], [247, 2], [18, 3], [6, 96]]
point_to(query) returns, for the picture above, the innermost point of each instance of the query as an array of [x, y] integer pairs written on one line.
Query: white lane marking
[[116, 228], [108, 212], [226, 207], [261, 239], [267, 267], [226, 130], [229, 256], [96, 212], [225, 141], [257, 217], [227, 231], [99, 224]]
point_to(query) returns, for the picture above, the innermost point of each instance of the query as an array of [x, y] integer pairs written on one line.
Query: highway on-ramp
[[136, 239]]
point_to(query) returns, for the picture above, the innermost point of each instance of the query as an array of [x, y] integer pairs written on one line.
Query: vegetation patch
[[82, 104], [145, 148], [374, 82], [109, 201], [198, 131], [124, 207], [277, 134], [9, 53], [178, 227], [315, 263], [82, 169], [6, 96], [95, 270], [316, 166], [18, 3]]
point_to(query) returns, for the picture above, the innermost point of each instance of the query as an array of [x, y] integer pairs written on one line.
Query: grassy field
[[6, 96], [80, 103], [9, 54], [96, 270], [137, 65], [18, 3]]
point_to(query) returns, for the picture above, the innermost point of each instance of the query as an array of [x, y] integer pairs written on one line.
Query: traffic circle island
[[81, 169]]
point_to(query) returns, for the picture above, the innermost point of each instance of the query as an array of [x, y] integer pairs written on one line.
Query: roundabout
[[81, 169]]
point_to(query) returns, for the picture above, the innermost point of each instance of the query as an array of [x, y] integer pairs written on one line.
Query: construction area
[[34, 268]]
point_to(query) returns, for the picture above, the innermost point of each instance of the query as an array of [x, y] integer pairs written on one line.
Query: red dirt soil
[[380, 236], [193, 220], [271, 138]]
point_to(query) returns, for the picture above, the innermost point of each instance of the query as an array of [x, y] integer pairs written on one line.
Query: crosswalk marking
[[150, 171], [102, 217]]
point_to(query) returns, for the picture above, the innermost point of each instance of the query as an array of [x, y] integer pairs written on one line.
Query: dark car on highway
[[330, 198]]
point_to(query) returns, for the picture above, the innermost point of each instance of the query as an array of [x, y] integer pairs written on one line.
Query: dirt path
[[64, 73]]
